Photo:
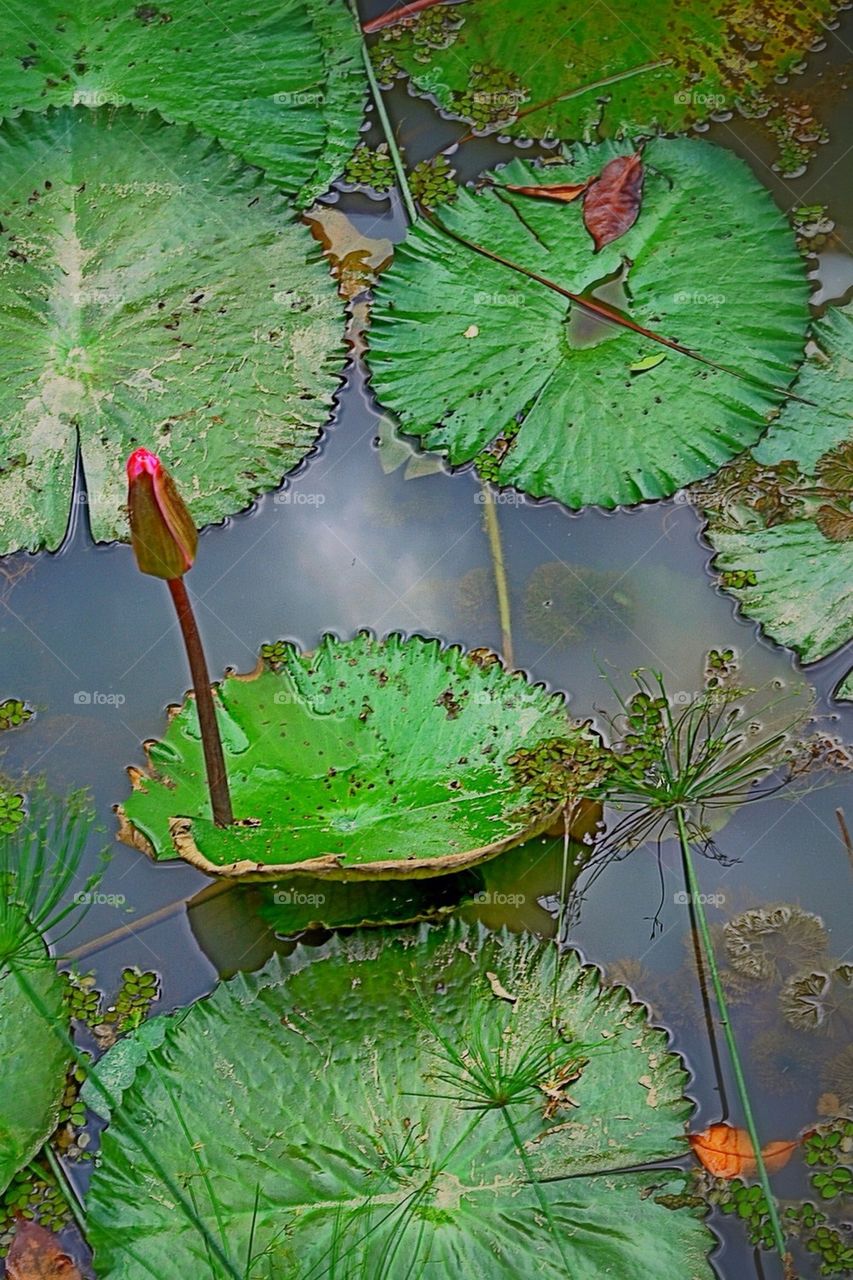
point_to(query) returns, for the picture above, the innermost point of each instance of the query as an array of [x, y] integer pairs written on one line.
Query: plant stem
[[493, 531], [214, 760], [394, 150], [731, 1044], [63, 1182]]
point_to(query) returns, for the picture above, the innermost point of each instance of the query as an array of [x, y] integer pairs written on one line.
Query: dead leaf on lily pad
[[563, 192], [727, 1152], [612, 202], [36, 1254]]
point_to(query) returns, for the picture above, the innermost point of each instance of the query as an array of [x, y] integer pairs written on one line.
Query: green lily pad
[[381, 1148], [781, 519], [513, 366], [366, 759], [278, 82], [844, 689], [485, 59], [33, 1058], [152, 293]]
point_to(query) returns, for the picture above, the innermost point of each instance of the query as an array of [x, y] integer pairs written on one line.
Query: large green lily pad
[[278, 82], [485, 59], [33, 1057], [468, 352], [152, 292], [369, 1155], [368, 758], [781, 519]]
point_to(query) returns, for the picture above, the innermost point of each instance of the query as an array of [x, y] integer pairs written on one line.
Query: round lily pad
[[440, 1100], [617, 68], [781, 519], [366, 759], [152, 292], [471, 355], [278, 82]]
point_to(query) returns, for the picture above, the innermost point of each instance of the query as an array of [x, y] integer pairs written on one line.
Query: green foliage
[[573, 423], [371, 167], [432, 182], [35, 1195], [13, 712]]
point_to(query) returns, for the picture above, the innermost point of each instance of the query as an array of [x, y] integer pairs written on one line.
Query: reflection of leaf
[[611, 204], [581, 431], [126, 318], [727, 1152], [366, 758], [279, 82], [834, 523], [808, 1001], [390, 1039], [356, 259], [395, 449], [36, 1254]]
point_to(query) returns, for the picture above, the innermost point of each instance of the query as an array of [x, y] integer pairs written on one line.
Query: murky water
[[347, 544]]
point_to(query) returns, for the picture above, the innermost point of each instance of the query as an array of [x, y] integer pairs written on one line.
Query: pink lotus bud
[[162, 532]]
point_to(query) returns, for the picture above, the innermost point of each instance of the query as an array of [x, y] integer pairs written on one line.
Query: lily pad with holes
[[781, 519], [278, 82], [515, 368], [152, 292], [430, 1113], [33, 1058], [366, 759], [618, 68]]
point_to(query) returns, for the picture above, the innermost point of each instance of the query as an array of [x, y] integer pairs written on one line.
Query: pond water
[[350, 543]]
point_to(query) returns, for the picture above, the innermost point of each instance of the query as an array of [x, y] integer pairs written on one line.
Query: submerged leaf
[[612, 202], [126, 319], [727, 1151], [279, 82], [551, 381], [368, 758], [36, 1254], [387, 1137]]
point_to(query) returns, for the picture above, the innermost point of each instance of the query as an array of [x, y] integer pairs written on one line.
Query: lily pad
[[781, 520], [373, 1145], [278, 82], [33, 1058], [483, 60], [154, 293], [515, 367], [366, 759]]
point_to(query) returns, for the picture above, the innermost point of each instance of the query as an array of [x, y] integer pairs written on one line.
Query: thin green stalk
[[394, 150], [82, 1061], [72, 1199], [493, 530], [731, 1044], [543, 1203], [568, 814]]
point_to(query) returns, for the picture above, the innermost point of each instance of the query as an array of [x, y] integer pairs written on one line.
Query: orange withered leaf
[[612, 202], [36, 1254], [564, 192], [726, 1151]]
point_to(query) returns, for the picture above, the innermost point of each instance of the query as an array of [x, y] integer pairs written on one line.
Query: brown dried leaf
[[563, 192], [834, 523], [36, 1254], [612, 202]]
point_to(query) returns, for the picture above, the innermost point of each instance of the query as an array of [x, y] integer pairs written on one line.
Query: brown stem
[[214, 760], [393, 16]]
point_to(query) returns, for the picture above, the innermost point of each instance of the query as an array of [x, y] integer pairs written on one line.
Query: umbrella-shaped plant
[[369, 758]]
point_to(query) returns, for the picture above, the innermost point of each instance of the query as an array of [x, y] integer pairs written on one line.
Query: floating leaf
[[611, 204], [33, 1058], [727, 1152], [563, 192], [555, 381], [368, 758], [153, 293], [613, 69], [650, 362], [373, 1142], [36, 1254], [785, 516], [279, 82]]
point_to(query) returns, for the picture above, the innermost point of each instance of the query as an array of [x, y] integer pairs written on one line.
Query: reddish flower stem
[[214, 760]]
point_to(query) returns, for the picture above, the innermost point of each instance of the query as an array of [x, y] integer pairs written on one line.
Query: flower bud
[[162, 532]]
